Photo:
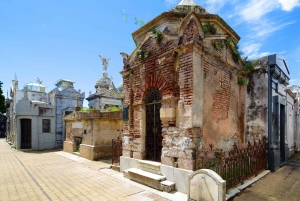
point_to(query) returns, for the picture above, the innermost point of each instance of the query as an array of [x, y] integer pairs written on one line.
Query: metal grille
[[25, 133], [116, 151], [153, 125], [237, 165]]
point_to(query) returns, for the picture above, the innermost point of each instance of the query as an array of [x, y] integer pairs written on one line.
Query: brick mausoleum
[[180, 88]]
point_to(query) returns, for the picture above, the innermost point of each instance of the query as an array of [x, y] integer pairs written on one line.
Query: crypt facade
[[180, 88]]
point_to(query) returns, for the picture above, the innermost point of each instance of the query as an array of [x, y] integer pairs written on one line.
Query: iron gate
[[25, 133], [153, 125]]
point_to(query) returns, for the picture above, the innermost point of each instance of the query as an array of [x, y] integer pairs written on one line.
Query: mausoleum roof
[[35, 87], [104, 82]]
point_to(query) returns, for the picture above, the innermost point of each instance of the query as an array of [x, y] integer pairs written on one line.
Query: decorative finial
[[38, 80], [16, 76], [187, 3], [105, 64]]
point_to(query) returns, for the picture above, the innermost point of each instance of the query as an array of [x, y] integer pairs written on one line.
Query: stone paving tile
[[282, 185], [55, 175]]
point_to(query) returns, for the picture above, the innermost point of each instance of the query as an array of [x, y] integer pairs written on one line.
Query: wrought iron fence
[[237, 165], [116, 151]]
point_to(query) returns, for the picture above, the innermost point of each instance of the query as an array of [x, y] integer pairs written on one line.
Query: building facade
[[63, 97], [33, 116], [268, 108], [180, 88]]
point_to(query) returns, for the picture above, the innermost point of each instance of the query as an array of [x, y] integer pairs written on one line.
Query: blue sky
[[54, 39]]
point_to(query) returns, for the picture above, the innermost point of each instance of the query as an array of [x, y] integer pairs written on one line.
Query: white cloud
[[298, 60], [265, 28], [254, 9], [252, 50], [293, 80], [214, 6], [171, 3], [288, 5]]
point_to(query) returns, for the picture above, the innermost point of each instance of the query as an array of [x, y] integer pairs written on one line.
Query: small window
[[46, 125]]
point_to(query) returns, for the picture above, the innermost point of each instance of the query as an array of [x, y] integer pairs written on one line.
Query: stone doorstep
[[167, 186], [150, 166], [146, 178], [234, 191]]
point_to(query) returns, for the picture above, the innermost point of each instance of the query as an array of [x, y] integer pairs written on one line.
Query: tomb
[[106, 95], [267, 103], [181, 92]]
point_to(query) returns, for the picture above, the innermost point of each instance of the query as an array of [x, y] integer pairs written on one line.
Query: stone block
[[181, 179], [69, 147], [167, 113], [95, 152], [126, 163], [206, 185], [168, 172], [150, 166], [127, 153], [186, 164], [147, 178], [166, 161], [137, 155]]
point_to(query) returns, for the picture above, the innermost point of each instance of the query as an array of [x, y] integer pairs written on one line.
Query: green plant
[[157, 35], [112, 109], [137, 21], [248, 67], [219, 44], [87, 109], [235, 56], [209, 29], [241, 81], [142, 54]]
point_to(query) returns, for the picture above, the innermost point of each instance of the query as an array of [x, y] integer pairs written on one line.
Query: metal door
[[153, 125], [25, 133]]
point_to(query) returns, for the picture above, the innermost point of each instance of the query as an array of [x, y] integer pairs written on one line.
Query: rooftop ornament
[[187, 3]]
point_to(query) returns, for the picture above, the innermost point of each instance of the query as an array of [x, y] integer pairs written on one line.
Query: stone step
[[150, 166], [167, 186], [144, 177]]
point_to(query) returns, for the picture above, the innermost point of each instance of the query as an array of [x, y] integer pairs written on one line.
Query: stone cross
[[77, 97], [221, 82]]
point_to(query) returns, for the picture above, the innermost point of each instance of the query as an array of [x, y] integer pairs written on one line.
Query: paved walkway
[[282, 185], [56, 175]]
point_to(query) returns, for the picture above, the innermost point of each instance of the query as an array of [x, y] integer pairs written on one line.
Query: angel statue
[[38, 80], [104, 62]]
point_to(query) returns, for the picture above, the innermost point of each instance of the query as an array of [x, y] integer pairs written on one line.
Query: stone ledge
[[146, 174], [146, 178]]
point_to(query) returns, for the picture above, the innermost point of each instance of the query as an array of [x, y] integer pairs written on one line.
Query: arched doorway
[[25, 133], [153, 144]]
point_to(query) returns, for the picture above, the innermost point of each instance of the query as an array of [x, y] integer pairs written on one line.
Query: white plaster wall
[[290, 124], [39, 141]]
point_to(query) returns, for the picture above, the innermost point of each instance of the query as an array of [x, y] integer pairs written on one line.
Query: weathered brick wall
[[224, 112], [170, 68]]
